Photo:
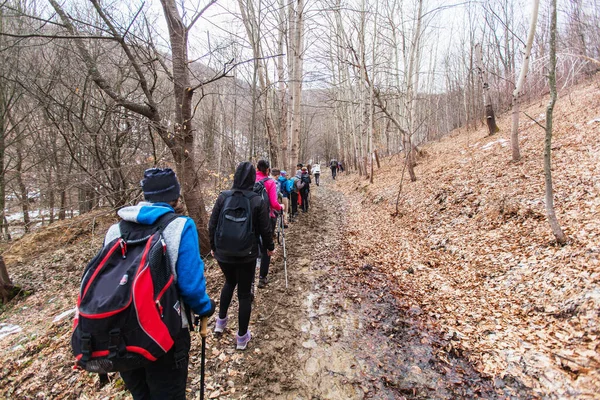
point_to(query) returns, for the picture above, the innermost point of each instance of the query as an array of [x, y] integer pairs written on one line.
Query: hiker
[[341, 166], [275, 174], [298, 185], [334, 167], [262, 175], [285, 195], [238, 264], [317, 172], [299, 168], [293, 190], [305, 188], [167, 376]]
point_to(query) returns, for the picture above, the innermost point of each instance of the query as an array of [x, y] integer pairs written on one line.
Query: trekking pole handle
[[203, 326]]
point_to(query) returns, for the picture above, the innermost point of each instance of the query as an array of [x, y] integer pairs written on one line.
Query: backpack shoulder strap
[[165, 220], [127, 227]]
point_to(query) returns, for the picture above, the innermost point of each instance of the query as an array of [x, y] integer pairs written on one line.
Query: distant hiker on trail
[[341, 166], [239, 218], [285, 194], [275, 174], [299, 168], [334, 167], [305, 189], [293, 191], [268, 190], [317, 172], [164, 377], [298, 185]]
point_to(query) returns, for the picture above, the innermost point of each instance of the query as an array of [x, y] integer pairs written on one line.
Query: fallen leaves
[[473, 248]]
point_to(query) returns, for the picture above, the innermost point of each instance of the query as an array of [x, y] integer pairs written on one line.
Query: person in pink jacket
[[262, 174]]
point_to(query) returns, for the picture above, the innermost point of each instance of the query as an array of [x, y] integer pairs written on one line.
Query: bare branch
[[199, 14], [39, 35], [102, 83], [534, 120]]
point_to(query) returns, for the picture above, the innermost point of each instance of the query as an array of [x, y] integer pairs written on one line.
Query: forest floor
[[459, 293], [336, 332], [471, 243]]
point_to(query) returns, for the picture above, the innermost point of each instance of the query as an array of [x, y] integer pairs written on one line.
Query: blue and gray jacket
[[183, 251], [283, 183]]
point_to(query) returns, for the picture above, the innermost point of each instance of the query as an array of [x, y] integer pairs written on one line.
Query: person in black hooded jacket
[[239, 271]]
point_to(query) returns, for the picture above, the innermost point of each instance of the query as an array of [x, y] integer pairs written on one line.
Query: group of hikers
[[151, 258]]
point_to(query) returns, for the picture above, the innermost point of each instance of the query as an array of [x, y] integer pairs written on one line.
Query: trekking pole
[[284, 252], [203, 332]]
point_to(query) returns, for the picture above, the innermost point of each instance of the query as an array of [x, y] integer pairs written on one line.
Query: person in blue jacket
[[285, 194], [166, 377]]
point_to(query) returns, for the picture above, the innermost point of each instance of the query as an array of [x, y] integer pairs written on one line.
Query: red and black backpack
[[128, 308]]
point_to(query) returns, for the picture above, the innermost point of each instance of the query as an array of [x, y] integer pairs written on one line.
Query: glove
[[209, 313]]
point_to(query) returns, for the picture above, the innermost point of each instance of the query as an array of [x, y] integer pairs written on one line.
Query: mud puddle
[[337, 332]]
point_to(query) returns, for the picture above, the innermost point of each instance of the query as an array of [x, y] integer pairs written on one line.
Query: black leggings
[[240, 275], [304, 194], [294, 199], [265, 259]]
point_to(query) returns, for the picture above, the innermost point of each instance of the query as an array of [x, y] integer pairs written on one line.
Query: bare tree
[[180, 139], [295, 56], [550, 213], [514, 137], [487, 99]]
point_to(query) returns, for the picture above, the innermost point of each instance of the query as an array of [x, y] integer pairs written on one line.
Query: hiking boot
[[242, 341], [220, 325], [285, 226], [262, 282]]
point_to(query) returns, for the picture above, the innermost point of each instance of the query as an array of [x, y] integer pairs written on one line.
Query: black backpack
[[234, 235], [128, 307], [306, 180], [261, 190]]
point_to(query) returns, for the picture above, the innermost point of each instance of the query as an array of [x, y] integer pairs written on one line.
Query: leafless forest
[[462, 126], [93, 92]]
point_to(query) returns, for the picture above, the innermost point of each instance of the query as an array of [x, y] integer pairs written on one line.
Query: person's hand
[[212, 253], [210, 312], [270, 252]]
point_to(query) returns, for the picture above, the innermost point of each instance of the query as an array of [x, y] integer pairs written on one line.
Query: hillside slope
[[472, 248]]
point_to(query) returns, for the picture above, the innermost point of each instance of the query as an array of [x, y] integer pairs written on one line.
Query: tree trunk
[[62, 210], [21, 185], [377, 159], [487, 101], [7, 289], [183, 149], [3, 225], [282, 91], [556, 229], [297, 48], [516, 100]]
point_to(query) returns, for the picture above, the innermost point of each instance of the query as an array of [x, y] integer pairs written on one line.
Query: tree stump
[[7, 289]]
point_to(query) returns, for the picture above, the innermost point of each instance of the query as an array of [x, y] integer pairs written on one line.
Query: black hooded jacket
[[244, 178]]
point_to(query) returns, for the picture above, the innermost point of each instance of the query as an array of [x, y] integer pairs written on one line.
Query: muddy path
[[336, 332]]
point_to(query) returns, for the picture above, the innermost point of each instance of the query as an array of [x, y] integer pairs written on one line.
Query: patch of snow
[[8, 329], [594, 120], [63, 314], [502, 142]]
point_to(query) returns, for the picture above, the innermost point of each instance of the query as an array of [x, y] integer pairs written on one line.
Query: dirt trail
[[336, 332]]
